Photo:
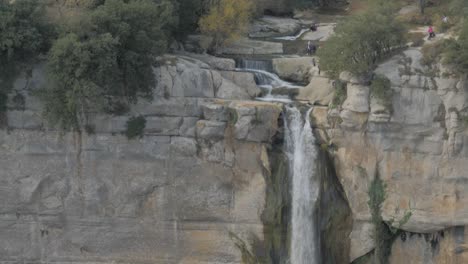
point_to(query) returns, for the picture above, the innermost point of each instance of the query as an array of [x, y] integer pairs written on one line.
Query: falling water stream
[[262, 71], [302, 154]]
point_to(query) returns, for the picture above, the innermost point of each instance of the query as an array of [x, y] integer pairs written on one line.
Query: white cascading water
[[266, 79], [304, 30], [302, 155]]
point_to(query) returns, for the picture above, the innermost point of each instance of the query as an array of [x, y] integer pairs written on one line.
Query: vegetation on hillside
[[105, 62], [24, 34], [100, 56], [227, 20], [357, 47]]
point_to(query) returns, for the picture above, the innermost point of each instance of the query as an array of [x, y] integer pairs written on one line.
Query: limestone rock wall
[[180, 194], [418, 146]]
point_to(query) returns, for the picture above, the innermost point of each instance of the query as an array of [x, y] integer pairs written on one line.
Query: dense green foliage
[[357, 47], [23, 34], [105, 61], [456, 51], [340, 94]]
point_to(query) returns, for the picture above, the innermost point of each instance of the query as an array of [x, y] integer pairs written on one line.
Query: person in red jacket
[[431, 32]]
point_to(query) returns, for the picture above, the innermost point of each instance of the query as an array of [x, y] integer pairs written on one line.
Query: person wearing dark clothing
[[313, 27]]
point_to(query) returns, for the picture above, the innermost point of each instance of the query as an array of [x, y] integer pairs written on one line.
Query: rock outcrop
[[418, 147], [187, 192]]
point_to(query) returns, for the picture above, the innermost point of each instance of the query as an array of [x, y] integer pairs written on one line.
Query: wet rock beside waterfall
[[254, 121], [229, 90], [246, 80], [193, 76], [319, 91]]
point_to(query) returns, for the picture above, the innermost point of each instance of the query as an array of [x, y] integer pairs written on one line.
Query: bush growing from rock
[[135, 127], [340, 94], [380, 89]]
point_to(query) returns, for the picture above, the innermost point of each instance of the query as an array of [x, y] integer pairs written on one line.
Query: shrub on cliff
[[360, 42], [227, 20], [105, 60], [381, 89]]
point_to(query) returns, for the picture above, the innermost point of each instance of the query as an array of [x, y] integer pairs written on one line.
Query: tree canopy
[[227, 20], [360, 42], [23, 34], [105, 62]]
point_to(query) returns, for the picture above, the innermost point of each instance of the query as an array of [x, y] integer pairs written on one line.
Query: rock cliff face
[[418, 146], [192, 190]]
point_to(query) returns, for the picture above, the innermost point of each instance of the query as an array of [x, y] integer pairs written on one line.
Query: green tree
[[456, 51], [105, 61], [81, 73], [24, 34], [361, 41], [227, 20]]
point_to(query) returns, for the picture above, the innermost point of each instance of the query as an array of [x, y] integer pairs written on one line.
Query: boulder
[[254, 121], [293, 69], [319, 90], [245, 80], [229, 90], [268, 26]]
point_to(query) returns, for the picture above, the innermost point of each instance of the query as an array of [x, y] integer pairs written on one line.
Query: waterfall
[[262, 65], [262, 71], [302, 155], [304, 30]]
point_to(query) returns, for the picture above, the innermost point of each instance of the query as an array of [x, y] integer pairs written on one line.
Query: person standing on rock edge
[[445, 19], [431, 32], [311, 48]]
